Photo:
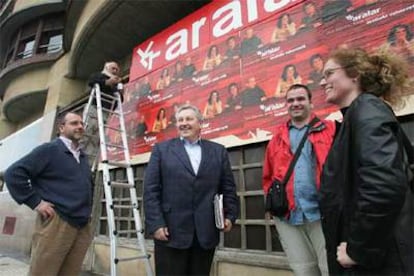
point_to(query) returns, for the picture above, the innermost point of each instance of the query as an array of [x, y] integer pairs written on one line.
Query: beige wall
[[35, 79], [88, 13], [62, 91], [6, 128], [23, 4], [20, 240], [28, 82]]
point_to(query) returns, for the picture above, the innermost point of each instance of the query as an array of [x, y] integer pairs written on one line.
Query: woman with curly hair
[[365, 200]]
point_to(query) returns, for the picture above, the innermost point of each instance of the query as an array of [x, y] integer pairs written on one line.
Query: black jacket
[[364, 195], [100, 78]]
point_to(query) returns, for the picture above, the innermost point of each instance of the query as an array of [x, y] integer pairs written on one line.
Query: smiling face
[[188, 125], [400, 34], [317, 64], [162, 113], [188, 61], [251, 82], [290, 72], [72, 127], [285, 20], [234, 90], [340, 89], [249, 33], [178, 66], [298, 104], [310, 10], [214, 96], [231, 43]]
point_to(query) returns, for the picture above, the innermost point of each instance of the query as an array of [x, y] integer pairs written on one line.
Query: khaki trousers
[[304, 246], [58, 248]]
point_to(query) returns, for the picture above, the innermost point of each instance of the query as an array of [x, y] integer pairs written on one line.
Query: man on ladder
[[110, 83], [106, 96], [108, 79]]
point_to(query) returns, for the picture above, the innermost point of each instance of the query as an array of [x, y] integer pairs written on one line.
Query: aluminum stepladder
[[97, 97]]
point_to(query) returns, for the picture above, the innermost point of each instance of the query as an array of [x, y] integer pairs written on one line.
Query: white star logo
[[147, 56]]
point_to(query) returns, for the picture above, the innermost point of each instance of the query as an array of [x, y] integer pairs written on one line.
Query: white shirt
[[69, 144], [193, 150]]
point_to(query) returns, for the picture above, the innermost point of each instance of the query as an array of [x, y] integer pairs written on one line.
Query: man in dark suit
[[181, 179]]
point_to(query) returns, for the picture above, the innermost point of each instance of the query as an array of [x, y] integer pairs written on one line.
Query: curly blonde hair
[[383, 73]]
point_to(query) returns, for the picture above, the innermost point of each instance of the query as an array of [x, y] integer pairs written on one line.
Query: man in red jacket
[[300, 231]]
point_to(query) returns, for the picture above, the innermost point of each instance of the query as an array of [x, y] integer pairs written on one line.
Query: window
[[40, 36], [10, 52], [25, 49], [51, 42], [251, 231]]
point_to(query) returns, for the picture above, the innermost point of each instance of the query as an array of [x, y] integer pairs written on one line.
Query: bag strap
[[299, 150]]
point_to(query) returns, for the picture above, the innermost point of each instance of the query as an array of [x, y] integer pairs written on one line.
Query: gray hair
[[197, 112]]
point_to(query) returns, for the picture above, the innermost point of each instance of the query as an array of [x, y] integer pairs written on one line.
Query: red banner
[[234, 61]]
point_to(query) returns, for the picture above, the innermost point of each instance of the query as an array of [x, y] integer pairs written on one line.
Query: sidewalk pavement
[[15, 265], [11, 266]]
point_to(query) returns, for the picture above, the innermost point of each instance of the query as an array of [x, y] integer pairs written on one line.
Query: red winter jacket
[[278, 155]]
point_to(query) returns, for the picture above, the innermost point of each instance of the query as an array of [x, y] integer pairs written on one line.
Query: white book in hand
[[219, 211]]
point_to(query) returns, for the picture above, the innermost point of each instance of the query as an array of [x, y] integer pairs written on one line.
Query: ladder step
[[119, 184], [113, 128], [129, 232], [132, 258], [92, 115], [105, 96], [111, 111], [115, 146], [121, 199], [123, 206], [118, 164], [111, 101]]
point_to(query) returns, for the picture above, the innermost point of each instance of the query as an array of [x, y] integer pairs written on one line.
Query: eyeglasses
[[326, 74]]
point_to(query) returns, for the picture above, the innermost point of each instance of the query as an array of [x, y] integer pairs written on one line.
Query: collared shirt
[[69, 144], [305, 193], [193, 150]]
